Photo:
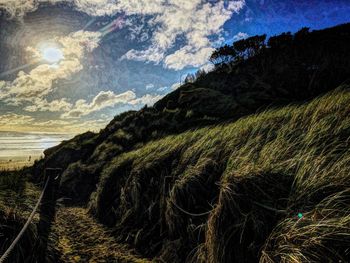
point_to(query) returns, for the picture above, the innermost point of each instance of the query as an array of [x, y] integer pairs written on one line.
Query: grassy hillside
[[287, 69], [257, 73], [222, 169], [272, 187]]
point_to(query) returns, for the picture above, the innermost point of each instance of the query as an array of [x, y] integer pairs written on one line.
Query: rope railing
[[26, 225]]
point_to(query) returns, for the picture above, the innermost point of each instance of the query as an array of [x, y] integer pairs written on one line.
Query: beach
[[13, 165], [19, 149]]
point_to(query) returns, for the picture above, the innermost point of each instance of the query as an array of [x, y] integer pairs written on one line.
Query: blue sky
[[122, 54]]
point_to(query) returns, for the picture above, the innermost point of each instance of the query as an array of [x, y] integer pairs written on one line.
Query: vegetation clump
[[17, 198]]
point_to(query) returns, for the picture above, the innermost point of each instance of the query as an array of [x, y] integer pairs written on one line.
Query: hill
[[271, 187], [240, 164], [286, 69]]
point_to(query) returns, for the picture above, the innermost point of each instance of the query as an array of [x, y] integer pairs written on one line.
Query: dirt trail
[[79, 238]]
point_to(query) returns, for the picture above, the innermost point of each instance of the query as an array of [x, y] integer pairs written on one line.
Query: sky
[[68, 66]]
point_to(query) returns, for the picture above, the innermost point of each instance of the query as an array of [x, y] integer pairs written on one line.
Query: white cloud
[[147, 99], [181, 33], [163, 89], [106, 99], [153, 54], [15, 119], [52, 123], [207, 67], [38, 83], [18, 7], [97, 7], [92, 7], [149, 86], [73, 126], [176, 86], [240, 36], [53, 106], [18, 122], [196, 21], [90, 125], [188, 56], [134, 7], [102, 100]]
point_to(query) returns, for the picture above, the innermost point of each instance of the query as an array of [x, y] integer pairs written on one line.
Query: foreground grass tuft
[[17, 199]]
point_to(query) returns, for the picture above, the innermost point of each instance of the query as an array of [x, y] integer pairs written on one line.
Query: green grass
[[233, 192]]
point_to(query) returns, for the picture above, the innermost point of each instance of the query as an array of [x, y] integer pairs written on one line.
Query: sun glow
[[52, 54]]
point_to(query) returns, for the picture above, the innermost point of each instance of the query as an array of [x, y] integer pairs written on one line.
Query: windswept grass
[[11, 180], [232, 193], [17, 199]]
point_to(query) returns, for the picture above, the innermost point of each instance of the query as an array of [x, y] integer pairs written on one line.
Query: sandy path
[[79, 238]]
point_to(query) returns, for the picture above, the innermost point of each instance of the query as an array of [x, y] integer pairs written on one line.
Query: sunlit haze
[[52, 54]]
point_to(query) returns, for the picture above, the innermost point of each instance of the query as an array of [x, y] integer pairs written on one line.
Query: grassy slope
[[232, 192], [245, 177], [17, 199], [297, 71]]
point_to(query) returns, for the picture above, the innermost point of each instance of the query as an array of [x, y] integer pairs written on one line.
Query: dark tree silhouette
[[223, 54], [252, 46], [281, 41]]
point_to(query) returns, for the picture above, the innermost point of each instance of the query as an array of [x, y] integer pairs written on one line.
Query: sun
[[52, 54]]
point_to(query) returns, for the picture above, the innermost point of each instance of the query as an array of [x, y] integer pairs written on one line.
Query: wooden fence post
[[48, 209]]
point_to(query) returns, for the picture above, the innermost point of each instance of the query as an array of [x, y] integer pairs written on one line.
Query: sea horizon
[[27, 146]]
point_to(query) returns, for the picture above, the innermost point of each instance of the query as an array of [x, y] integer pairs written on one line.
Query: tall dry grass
[[232, 193]]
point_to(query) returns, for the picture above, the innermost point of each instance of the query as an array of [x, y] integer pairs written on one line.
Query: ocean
[[20, 146]]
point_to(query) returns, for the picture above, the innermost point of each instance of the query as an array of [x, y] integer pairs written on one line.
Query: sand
[[14, 165]]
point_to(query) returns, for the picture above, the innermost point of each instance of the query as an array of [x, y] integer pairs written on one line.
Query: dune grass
[[17, 199], [234, 192]]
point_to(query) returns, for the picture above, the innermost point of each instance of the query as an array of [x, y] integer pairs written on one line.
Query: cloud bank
[[102, 100], [20, 122], [15, 119], [175, 33], [198, 23], [106, 99]]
